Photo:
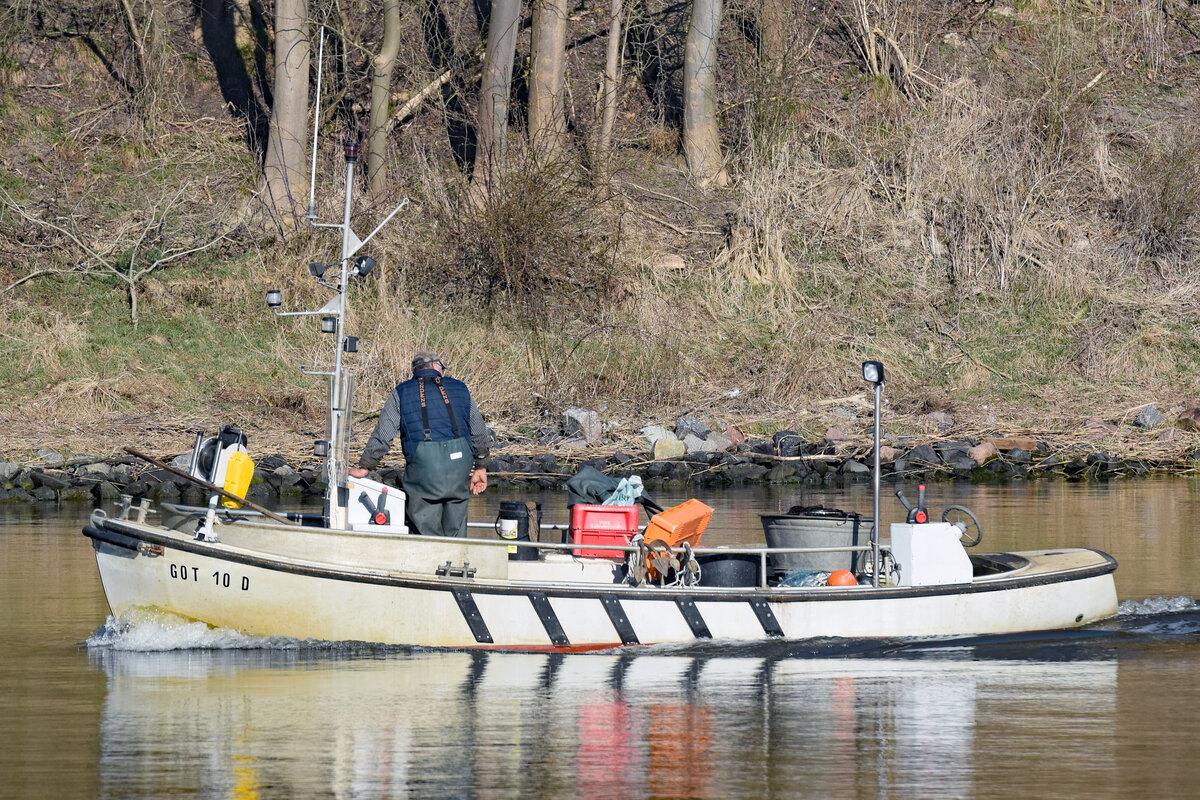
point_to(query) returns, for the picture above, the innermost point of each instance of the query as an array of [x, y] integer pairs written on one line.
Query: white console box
[[929, 554], [358, 515]]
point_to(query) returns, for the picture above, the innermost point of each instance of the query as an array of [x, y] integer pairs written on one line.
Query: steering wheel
[[962, 518]]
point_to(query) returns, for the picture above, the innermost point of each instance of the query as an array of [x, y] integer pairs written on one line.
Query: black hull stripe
[[616, 614], [545, 612], [693, 617], [127, 538], [766, 618], [470, 612]]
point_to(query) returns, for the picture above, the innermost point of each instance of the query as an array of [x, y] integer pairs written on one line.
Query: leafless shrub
[[540, 236], [1153, 29], [140, 242], [1066, 66], [541, 249], [1161, 208], [662, 140], [962, 179], [874, 30], [988, 216]]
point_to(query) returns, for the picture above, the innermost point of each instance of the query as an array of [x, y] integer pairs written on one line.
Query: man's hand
[[357, 472], [478, 480]]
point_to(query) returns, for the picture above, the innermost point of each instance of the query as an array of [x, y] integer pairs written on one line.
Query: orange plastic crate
[[683, 523]]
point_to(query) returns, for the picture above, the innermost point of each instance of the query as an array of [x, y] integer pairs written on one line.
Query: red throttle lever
[[379, 515], [916, 514]]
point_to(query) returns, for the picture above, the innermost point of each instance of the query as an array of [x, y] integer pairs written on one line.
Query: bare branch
[[131, 237], [20, 211]]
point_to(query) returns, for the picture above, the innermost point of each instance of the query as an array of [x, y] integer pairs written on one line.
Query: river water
[[92, 709]]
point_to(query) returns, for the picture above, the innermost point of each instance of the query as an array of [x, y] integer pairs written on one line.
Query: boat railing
[[618, 551], [762, 552]]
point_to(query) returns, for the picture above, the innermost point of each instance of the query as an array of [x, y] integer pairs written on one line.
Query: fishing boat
[[354, 572]]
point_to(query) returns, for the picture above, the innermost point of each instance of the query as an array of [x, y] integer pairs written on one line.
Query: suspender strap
[[424, 410], [437, 381]]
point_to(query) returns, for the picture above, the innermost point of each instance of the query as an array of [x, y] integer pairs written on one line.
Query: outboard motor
[[222, 461], [210, 458]]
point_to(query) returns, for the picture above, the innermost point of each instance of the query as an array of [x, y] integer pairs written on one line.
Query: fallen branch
[[414, 102], [815, 457], [671, 225], [663, 195], [933, 323]]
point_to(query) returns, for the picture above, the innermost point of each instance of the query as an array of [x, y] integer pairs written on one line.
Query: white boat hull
[[308, 583]]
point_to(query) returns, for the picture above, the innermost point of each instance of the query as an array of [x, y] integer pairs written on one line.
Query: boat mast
[[333, 318], [340, 399]]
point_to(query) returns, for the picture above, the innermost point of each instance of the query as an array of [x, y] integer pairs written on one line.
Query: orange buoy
[[841, 577]]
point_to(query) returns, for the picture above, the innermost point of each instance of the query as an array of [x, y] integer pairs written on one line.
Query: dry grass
[[1007, 223]]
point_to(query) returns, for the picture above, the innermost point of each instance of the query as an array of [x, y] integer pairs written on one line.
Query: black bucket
[[513, 524], [728, 569]]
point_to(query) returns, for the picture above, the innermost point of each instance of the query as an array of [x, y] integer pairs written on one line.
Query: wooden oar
[[212, 487]]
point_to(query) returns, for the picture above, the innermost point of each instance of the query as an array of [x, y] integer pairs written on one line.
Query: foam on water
[[1156, 605], [161, 632]]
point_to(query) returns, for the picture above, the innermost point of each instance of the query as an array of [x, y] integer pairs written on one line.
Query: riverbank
[[1016, 241], [1091, 450]]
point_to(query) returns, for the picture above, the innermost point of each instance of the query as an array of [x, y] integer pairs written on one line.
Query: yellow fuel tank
[[237, 478]]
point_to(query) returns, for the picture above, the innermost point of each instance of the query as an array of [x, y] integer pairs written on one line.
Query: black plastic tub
[[728, 569]]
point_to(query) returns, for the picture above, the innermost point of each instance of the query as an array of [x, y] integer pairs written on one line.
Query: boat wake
[[1156, 606], [162, 632], [1161, 618]]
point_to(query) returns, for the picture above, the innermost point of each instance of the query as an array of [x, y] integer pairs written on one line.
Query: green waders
[[436, 488], [436, 478]]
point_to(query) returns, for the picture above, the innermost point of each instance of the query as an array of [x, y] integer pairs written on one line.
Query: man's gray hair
[[424, 359]]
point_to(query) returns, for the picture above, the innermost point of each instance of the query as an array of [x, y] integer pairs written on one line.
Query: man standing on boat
[[445, 444]]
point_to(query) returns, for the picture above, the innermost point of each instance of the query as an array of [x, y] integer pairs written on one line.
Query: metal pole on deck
[[872, 372], [349, 245], [875, 494]]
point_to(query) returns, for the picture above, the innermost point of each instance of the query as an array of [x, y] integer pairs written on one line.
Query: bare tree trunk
[[283, 170], [547, 125], [701, 140], [135, 35], [609, 96], [772, 35], [493, 97], [156, 32], [150, 55], [381, 93]]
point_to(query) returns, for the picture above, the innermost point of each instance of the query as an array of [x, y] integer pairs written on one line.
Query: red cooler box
[[602, 525]]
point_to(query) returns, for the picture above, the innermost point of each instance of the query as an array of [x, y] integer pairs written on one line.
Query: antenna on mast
[[312, 172]]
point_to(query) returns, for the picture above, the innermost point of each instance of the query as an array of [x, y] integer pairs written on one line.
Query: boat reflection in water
[[291, 722]]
